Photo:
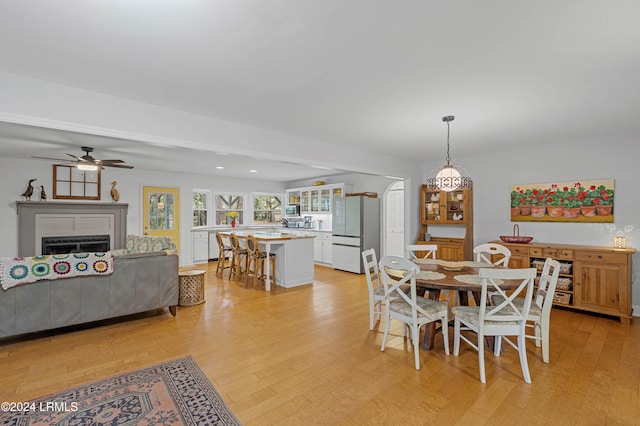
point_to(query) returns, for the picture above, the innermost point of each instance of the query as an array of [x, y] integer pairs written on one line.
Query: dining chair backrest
[[484, 252], [406, 306], [393, 287], [427, 250], [509, 316], [547, 286], [376, 291], [370, 262]]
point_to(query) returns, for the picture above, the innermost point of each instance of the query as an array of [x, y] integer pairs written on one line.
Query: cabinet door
[[599, 287], [430, 206], [317, 248], [325, 200], [305, 201], [315, 200], [452, 206], [327, 248], [449, 252], [293, 197], [200, 246]]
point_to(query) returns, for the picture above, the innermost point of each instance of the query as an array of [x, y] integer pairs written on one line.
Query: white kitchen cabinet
[[327, 248], [322, 247], [317, 248], [316, 199], [200, 241]]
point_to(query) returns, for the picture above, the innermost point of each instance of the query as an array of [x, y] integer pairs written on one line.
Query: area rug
[[172, 393]]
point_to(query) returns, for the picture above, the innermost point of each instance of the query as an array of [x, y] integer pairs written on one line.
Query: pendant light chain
[[448, 132]]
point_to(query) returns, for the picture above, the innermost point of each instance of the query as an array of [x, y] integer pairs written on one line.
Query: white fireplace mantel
[[31, 214]]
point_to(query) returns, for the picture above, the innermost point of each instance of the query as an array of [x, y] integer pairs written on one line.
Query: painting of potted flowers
[[577, 201]]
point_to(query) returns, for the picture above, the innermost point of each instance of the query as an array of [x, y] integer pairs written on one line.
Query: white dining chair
[[427, 250], [539, 317], [411, 309], [376, 290], [505, 319], [484, 252]]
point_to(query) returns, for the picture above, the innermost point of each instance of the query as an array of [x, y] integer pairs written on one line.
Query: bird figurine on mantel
[[115, 195], [43, 194], [29, 191]]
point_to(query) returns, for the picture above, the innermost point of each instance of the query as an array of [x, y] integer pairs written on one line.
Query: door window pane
[[161, 211]]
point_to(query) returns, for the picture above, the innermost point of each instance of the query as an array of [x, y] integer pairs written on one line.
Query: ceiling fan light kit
[[449, 177]]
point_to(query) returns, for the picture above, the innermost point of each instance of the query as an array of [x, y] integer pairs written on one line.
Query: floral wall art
[[577, 201]]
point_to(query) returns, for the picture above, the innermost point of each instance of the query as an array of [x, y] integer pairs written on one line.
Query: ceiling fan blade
[[110, 161], [120, 166], [54, 159], [79, 159]]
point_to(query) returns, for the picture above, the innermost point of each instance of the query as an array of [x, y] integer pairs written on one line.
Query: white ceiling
[[370, 74]]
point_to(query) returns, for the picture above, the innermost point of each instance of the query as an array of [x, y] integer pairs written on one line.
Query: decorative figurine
[[43, 194], [115, 195], [29, 191]]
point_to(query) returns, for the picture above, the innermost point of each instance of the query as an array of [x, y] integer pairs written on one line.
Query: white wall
[[15, 174], [494, 173]]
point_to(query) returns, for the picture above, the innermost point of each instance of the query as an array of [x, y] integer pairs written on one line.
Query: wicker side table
[[191, 287]]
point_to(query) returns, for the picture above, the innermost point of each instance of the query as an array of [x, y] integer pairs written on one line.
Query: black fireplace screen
[[75, 244]]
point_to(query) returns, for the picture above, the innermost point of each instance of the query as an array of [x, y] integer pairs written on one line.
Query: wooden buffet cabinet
[[448, 208], [596, 279]]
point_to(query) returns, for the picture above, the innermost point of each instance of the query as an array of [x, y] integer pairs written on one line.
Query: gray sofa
[[140, 282]]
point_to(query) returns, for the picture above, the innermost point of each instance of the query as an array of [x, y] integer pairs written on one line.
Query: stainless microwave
[[292, 210]]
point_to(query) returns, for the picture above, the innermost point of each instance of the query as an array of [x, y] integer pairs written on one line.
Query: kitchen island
[[294, 256]]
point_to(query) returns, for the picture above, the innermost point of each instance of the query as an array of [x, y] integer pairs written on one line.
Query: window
[[201, 207], [267, 209], [226, 203]]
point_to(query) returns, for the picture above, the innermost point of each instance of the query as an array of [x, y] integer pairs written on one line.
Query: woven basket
[[564, 283], [515, 238], [562, 298]]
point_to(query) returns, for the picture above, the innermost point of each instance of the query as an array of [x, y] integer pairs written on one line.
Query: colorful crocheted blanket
[[23, 270]]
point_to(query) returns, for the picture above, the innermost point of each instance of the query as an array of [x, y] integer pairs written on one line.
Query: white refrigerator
[[355, 228]]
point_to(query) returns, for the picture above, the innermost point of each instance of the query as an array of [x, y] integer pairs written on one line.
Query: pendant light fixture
[[450, 177]]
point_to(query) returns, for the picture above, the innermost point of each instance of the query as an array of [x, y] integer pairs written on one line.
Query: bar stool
[[223, 251], [239, 257], [257, 258]]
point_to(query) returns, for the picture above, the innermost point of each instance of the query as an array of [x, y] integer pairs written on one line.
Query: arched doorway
[[393, 220]]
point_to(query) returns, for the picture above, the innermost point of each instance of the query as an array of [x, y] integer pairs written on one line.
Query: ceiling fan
[[87, 161]]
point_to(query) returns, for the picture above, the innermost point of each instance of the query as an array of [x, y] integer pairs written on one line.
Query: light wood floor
[[306, 356]]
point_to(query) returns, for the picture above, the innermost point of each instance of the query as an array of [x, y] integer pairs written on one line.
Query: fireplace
[[75, 244], [74, 220]]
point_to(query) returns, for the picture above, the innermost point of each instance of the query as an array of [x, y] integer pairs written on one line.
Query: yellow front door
[[160, 212]]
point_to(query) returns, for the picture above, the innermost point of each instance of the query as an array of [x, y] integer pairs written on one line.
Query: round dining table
[[437, 275]]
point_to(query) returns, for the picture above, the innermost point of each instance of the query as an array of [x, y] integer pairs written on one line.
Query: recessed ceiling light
[[219, 167], [253, 171]]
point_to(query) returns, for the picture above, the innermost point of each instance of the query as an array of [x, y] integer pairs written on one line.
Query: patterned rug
[[172, 393]]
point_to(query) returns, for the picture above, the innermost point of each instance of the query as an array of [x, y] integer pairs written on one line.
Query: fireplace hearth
[[75, 244]]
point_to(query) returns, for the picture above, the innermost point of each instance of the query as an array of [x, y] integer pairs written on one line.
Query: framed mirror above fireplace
[[71, 183]]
